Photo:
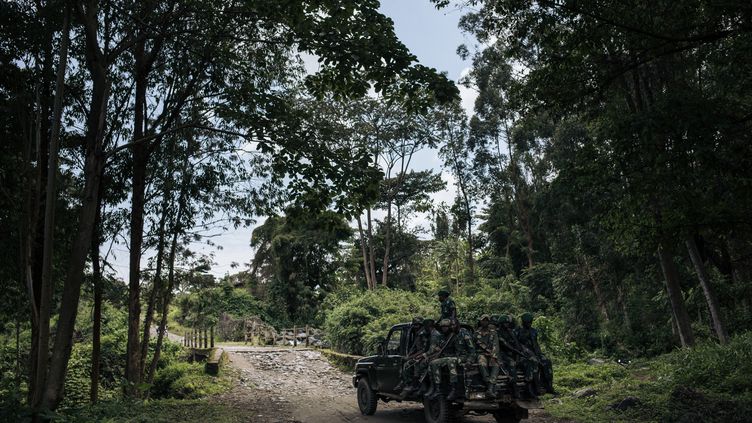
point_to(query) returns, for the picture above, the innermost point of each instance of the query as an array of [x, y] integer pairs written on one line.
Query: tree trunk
[[470, 255], [94, 163], [623, 307], [156, 288], [707, 289], [18, 355], [27, 241], [387, 242], [176, 230], [48, 287], [72, 289], [599, 297], [97, 313], [676, 300], [365, 256], [525, 221], [372, 256], [140, 159]]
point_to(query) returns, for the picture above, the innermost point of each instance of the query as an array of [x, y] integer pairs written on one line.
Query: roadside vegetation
[[601, 181], [708, 383]]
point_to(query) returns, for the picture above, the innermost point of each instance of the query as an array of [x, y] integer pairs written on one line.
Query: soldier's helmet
[[494, 319], [442, 293], [484, 317], [445, 323], [504, 318], [417, 321], [428, 322], [527, 318]]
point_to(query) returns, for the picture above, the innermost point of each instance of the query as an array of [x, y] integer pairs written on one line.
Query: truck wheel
[[367, 400], [439, 410], [506, 417]]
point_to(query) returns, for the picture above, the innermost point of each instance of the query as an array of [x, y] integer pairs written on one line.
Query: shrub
[[724, 369], [186, 380], [359, 323]]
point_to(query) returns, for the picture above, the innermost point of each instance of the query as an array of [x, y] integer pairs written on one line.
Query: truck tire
[[367, 400], [440, 410], [506, 417]]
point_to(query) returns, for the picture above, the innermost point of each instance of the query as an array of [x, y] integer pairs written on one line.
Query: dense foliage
[[601, 182]]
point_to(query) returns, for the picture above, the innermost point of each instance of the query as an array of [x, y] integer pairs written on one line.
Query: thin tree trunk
[[470, 256], [140, 159], [525, 220], [97, 313], [707, 289], [519, 199], [94, 163], [599, 297], [18, 355], [365, 256], [156, 286], [461, 183], [47, 289], [372, 256], [387, 242], [673, 289], [177, 229], [72, 288], [27, 238], [623, 307]]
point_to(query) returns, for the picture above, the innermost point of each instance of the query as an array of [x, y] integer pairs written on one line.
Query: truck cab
[[378, 376]]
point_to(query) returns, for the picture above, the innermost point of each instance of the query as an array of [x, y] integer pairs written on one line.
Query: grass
[[158, 411], [708, 383], [180, 393]]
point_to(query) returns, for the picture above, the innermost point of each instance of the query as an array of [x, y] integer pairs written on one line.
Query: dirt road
[[285, 386]]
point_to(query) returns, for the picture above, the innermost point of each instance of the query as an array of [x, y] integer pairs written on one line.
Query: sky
[[430, 34]]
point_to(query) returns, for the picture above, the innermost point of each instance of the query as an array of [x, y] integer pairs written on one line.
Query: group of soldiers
[[496, 345]]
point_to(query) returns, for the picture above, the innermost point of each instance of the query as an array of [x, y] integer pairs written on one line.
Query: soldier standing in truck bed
[[448, 308]]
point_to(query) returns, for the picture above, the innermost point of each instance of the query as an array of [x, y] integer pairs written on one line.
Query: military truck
[[376, 378]]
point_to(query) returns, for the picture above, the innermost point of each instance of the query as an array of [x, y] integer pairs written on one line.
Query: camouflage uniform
[[447, 358], [448, 308], [508, 351], [488, 353], [528, 338], [413, 368], [459, 352]]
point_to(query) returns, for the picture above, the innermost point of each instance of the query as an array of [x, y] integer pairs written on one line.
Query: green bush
[[186, 380], [358, 324], [708, 383], [725, 369]]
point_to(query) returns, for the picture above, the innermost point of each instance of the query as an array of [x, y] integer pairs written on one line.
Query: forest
[[602, 181]]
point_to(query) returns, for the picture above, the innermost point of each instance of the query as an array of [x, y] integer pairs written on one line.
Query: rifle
[[493, 357], [414, 358], [487, 351], [438, 353]]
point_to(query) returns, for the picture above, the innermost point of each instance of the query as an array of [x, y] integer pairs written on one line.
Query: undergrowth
[[708, 383]]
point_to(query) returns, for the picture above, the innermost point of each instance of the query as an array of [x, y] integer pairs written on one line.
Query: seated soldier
[[416, 364], [509, 351], [528, 338], [446, 356], [487, 343], [465, 347]]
